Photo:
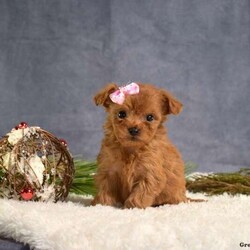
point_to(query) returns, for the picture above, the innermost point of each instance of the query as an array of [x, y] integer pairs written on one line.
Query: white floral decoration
[[8, 160], [34, 167], [16, 134]]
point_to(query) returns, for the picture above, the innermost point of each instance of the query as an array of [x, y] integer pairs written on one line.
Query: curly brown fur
[[145, 169]]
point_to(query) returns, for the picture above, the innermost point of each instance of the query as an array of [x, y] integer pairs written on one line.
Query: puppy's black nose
[[133, 131]]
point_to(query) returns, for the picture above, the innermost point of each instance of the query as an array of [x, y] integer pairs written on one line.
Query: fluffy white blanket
[[221, 223]]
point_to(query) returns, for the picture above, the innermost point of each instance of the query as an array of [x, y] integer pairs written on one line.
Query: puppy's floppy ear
[[102, 97], [170, 104]]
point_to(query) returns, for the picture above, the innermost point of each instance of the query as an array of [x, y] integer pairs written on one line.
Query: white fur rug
[[221, 223]]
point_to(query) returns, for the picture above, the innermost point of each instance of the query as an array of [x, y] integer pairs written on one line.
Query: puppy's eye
[[150, 118], [122, 114]]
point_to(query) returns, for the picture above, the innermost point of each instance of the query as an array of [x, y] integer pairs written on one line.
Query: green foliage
[[219, 183], [190, 167], [1, 180], [83, 182], [213, 184]]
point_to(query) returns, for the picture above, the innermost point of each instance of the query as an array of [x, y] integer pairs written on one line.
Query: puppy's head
[[135, 122]]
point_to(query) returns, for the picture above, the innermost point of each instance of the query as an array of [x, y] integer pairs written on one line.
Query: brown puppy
[[138, 166]]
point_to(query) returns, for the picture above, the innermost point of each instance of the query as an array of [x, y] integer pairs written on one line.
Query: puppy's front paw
[[94, 202], [103, 200], [129, 204]]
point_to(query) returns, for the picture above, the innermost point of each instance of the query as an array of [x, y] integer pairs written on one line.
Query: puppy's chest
[[128, 176]]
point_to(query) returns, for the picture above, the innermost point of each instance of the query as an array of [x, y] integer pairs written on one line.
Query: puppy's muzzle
[[133, 131]]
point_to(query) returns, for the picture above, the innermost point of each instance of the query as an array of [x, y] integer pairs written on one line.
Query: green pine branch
[[219, 183], [83, 182], [213, 184]]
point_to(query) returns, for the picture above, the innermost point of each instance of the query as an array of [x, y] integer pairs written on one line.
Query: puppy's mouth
[[134, 138], [131, 142], [130, 139]]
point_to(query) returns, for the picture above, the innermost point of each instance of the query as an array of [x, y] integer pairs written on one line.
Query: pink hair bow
[[119, 95]]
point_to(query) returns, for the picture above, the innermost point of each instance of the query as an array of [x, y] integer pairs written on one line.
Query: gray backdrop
[[55, 54]]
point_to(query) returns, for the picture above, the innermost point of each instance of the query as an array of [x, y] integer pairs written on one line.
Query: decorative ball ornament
[[34, 165], [64, 143], [27, 194], [21, 125]]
